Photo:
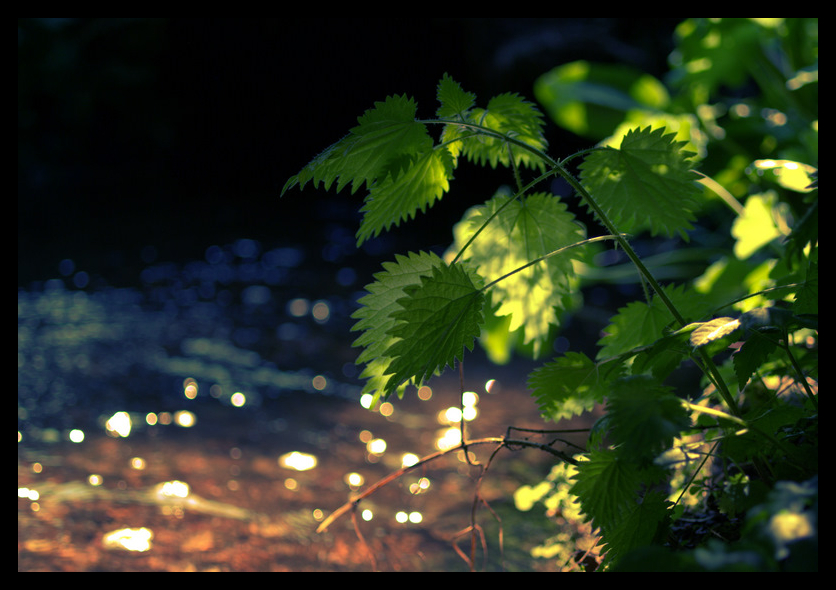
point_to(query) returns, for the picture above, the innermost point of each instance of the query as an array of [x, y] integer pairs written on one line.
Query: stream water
[[212, 409]]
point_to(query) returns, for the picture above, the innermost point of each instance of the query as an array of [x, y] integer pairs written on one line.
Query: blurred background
[[151, 154], [159, 272]]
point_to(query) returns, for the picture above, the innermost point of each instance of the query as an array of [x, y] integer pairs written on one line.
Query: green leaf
[[756, 226], [385, 134], [396, 199], [649, 173], [455, 102], [513, 116], [376, 315], [712, 331], [568, 386], [663, 356], [438, 320], [591, 99], [807, 298], [639, 526], [753, 354], [607, 486], [640, 324], [717, 52], [644, 417], [519, 232]]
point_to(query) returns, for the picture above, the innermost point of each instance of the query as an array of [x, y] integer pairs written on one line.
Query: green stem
[[520, 193], [558, 167], [545, 256], [801, 376]]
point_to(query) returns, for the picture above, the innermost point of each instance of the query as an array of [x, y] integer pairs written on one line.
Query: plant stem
[[545, 256], [708, 364]]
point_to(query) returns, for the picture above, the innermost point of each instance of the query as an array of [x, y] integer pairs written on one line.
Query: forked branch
[[493, 440]]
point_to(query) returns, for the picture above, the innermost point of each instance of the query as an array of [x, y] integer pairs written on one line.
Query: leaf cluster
[[748, 323]]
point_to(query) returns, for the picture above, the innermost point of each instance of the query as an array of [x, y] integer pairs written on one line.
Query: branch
[[501, 440]]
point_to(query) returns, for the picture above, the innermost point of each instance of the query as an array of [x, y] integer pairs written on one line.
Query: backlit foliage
[[512, 269]]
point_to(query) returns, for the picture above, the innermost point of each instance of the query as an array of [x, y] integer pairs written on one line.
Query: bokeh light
[[298, 461], [128, 539], [185, 419], [119, 424]]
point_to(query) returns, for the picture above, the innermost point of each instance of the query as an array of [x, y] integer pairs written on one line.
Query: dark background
[[180, 133]]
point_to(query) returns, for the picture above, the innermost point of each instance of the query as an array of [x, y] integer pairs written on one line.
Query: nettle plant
[[662, 469]]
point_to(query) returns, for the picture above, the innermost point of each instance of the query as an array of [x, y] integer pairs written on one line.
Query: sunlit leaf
[[795, 176], [709, 332], [455, 102], [398, 198], [756, 226], [650, 172], [508, 114], [639, 323], [517, 233]]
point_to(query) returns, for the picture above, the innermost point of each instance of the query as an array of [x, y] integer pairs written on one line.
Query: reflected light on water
[[190, 388], [376, 446], [354, 480], [298, 461], [409, 459], [321, 311], [413, 517], [128, 539], [173, 489], [469, 398], [422, 485], [119, 424], [238, 399], [450, 416], [298, 307], [450, 437], [28, 494], [185, 419]]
